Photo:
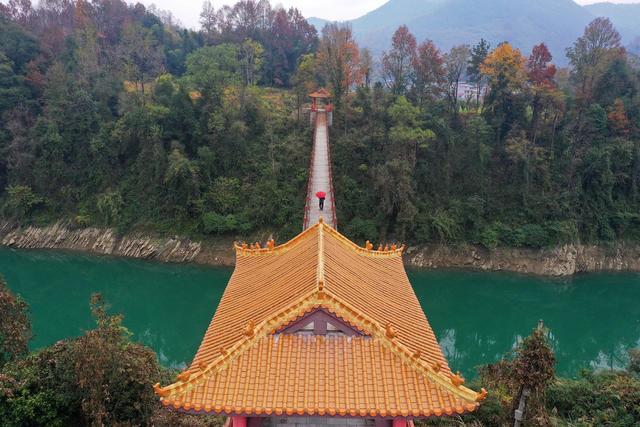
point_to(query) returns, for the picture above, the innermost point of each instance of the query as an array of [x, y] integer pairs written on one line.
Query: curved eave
[[239, 412]]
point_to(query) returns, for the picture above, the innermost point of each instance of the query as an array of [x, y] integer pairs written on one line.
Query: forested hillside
[[113, 116]]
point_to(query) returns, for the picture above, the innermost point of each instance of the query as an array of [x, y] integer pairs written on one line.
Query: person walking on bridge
[[321, 196]]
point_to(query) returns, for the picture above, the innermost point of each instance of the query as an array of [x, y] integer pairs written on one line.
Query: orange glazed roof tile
[[244, 366], [320, 93]]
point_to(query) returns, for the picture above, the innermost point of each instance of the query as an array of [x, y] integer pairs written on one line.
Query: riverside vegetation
[[114, 116]]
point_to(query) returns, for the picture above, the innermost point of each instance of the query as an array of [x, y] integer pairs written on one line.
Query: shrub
[[15, 327], [535, 236], [22, 199], [597, 398], [110, 205], [362, 229], [100, 378], [218, 224], [225, 195], [634, 362], [490, 238]]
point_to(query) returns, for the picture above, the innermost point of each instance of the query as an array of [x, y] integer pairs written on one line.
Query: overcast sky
[[188, 11]]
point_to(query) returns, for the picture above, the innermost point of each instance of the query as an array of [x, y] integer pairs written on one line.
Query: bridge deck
[[320, 177]]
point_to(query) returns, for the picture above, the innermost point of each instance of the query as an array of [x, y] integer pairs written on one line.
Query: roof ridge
[[317, 298], [321, 226], [285, 247], [320, 266]]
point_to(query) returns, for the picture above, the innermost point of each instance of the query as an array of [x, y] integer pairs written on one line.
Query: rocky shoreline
[[560, 261], [106, 241]]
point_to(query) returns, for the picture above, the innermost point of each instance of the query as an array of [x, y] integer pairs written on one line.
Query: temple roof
[[245, 366], [320, 93]]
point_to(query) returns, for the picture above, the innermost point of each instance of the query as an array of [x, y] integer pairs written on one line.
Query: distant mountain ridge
[[524, 23]]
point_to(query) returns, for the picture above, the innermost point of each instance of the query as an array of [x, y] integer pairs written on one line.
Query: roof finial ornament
[[437, 366], [252, 246], [394, 247], [271, 244], [184, 375], [390, 331], [160, 391], [249, 330], [369, 245], [386, 247], [257, 245], [380, 247], [244, 245], [457, 380], [320, 220], [482, 395]]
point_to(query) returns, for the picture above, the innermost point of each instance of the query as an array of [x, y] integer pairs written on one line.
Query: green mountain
[[523, 23]]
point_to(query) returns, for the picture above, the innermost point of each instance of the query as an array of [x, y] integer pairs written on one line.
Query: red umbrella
[[321, 194]]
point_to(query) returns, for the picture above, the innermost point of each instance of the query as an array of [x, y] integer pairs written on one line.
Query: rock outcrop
[[108, 242], [559, 261]]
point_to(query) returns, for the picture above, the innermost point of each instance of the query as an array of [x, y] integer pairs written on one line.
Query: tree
[[526, 156], [211, 68], [140, 54], [22, 199], [504, 68], [540, 75], [251, 60], [529, 366], [455, 64], [479, 53], [366, 67], [338, 57], [398, 62], [590, 54], [209, 21], [15, 327], [428, 72], [405, 135], [303, 79]]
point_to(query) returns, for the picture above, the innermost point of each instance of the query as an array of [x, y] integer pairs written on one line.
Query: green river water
[[476, 316]]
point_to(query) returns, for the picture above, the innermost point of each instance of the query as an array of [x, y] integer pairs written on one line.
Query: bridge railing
[[333, 193], [305, 221]]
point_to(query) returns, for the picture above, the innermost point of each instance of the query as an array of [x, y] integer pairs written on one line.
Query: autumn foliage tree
[[505, 72], [428, 73], [338, 56], [618, 119], [397, 64], [540, 76]]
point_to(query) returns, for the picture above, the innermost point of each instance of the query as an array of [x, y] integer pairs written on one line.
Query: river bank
[[560, 261]]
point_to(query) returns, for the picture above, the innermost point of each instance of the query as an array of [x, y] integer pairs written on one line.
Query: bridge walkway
[[320, 178]]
